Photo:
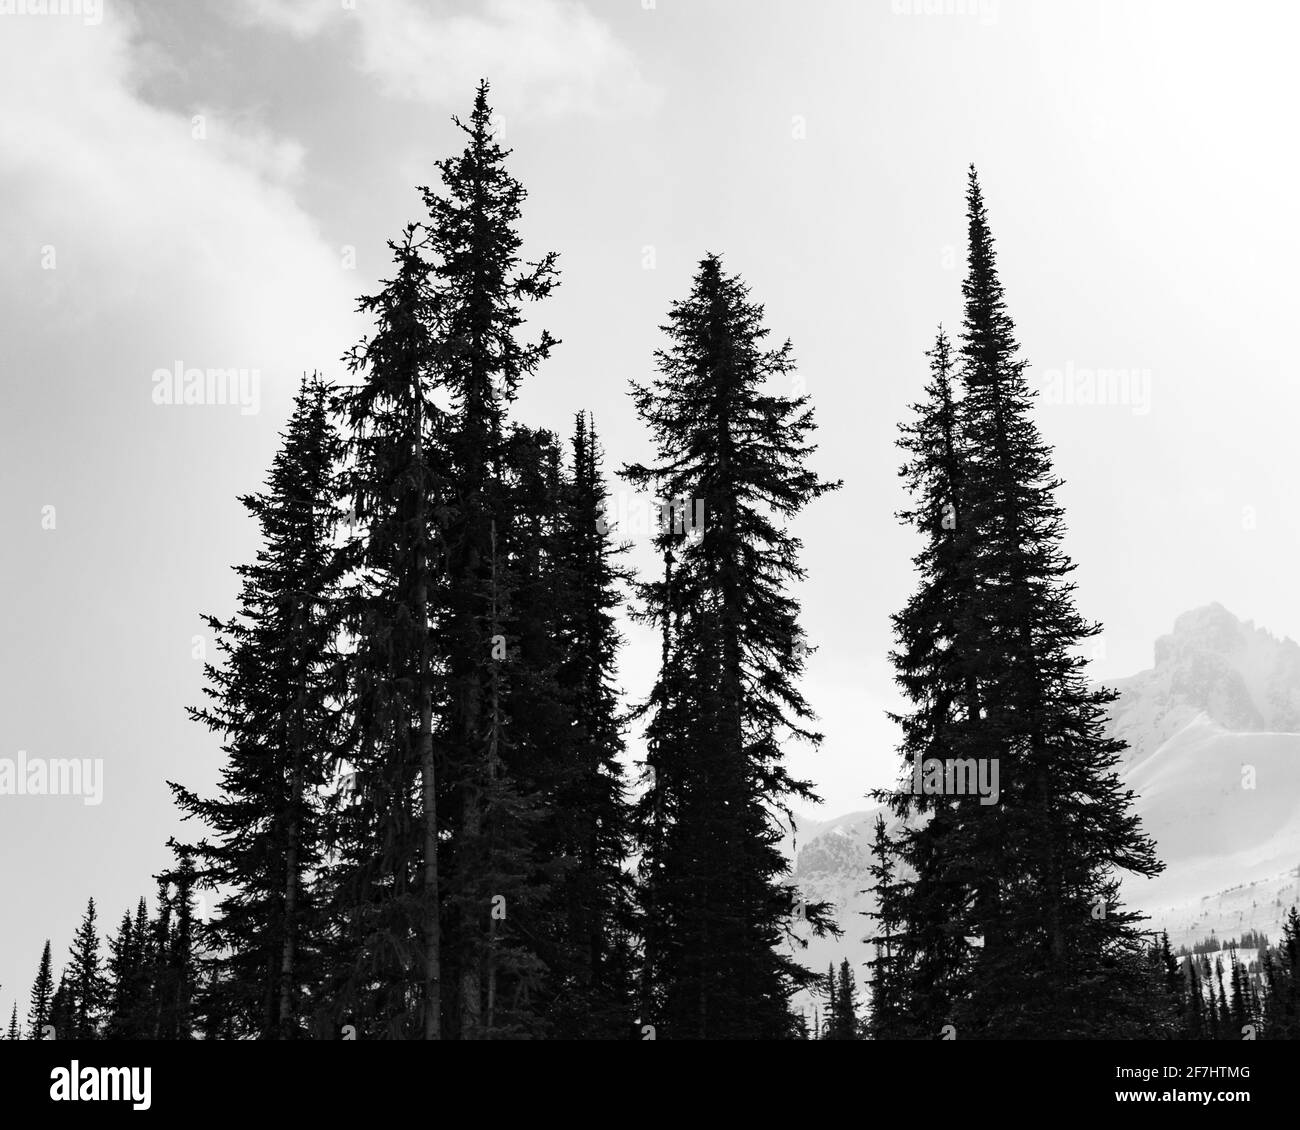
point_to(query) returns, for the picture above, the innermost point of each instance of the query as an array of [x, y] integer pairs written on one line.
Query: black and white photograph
[[638, 521]]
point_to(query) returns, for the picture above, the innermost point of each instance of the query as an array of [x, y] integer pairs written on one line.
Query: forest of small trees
[[429, 823]]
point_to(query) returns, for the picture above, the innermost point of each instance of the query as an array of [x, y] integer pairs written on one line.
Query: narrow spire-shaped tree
[[937, 662], [1281, 970], [848, 1023], [887, 1003], [384, 875], [830, 994], [63, 1009], [272, 704], [731, 466], [1011, 922], [120, 976], [86, 983], [435, 868], [1198, 1028], [1060, 955], [38, 1014], [591, 814], [179, 979], [481, 284]]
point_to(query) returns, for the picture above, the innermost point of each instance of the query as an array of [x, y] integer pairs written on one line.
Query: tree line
[[427, 824]]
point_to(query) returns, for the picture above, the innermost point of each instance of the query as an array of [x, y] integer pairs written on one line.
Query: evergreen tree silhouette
[[38, 1013], [571, 606], [273, 706], [482, 285], [887, 1005], [726, 698], [937, 662], [86, 985], [1011, 924]]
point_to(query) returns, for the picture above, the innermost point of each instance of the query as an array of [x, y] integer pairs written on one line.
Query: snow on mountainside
[[1218, 713], [1240, 676]]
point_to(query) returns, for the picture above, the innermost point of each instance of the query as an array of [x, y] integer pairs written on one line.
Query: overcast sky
[[211, 185]]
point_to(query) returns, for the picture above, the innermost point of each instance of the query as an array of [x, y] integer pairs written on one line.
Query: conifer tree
[[86, 985], [988, 658], [1216, 1009], [937, 667], [178, 979], [1281, 1009], [887, 1005], [38, 1014], [727, 698], [14, 1032], [160, 947], [1239, 1001], [1174, 986], [120, 978], [137, 1014], [383, 875], [847, 1021], [481, 284], [1054, 933], [830, 998], [1198, 1023], [590, 821], [454, 886], [273, 703], [63, 1009]]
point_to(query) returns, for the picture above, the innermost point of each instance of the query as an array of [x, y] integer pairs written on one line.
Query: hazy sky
[[211, 185]]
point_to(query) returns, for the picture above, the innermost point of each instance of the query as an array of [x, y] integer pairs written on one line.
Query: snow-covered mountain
[[1239, 676], [1214, 758]]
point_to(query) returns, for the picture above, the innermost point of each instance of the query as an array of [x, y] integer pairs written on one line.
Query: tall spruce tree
[[1174, 985], [63, 1009], [1197, 1023], [715, 910], [848, 1024], [273, 704], [86, 984], [1281, 971], [137, 1015], [383, 873], [177, 961], [1239, 1005], [481, 285], [121, 975], [436, 867], [886, 1005], [590, 822], [1060, 955], [937, 666], [830, 997], [38, 1013], [14, 1032], [1012, 925]]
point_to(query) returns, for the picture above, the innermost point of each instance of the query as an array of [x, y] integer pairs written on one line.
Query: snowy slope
[[1214, 760]]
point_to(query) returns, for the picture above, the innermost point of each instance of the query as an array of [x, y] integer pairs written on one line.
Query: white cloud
[[160, 236], [545, 56]]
